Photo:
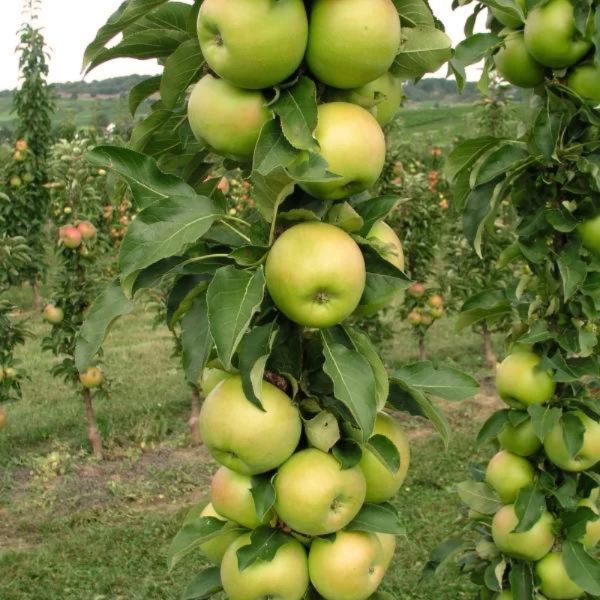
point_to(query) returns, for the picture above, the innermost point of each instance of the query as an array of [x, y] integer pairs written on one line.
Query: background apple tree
[[294, 393], [533, 509]]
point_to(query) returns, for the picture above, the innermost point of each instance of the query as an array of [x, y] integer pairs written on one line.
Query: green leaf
[[143, 90], [150, 43], [297, 109], [466, 153], [270, 191], [263, 546], [441, 554], [347, 452], [484, 306], [529, 507], [495, 162], [272, 149], [546, 130], [254, 351], [385, 451], [442, 381], [573, 433], [263, 494], [191, 536], [353, 382], [543, 419], [182, 68], [204, 585], [106, 309], [233, 298], [414, 12], [127, 13], [581, 567], [575, 523], [363, 344], [163, 229], [147, 182], [423, 50], [377, 518], [196, 341], [479, 496], [572, 269], [521, 581], [375, 209], [492, 427]]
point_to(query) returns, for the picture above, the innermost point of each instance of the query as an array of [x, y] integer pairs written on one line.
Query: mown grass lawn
[[75, 529]]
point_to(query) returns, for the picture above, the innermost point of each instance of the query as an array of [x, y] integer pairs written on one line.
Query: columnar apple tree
[[77, 200], [534, 507], [295, 396]]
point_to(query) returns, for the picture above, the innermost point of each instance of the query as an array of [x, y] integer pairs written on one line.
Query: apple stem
[[489, 355], [93, 434], [422, 349]]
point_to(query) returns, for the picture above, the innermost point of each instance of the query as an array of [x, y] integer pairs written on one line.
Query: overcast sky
[[69, 25]]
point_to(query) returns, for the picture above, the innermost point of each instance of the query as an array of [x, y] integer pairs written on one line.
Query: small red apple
[[70, 236], [53, 314], [435, 301], [416, 290], [223, 185], [87, 230], [415, 317], [21, 145], [92, 377], [437, 312], [426, 320]]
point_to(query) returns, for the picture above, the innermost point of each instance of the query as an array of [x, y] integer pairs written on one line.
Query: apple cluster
[[548, 43], [72, 236], [313, 496], [523, 462], [424, 315], [19, 172]]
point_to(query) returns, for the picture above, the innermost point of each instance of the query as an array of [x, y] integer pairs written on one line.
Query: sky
[[69, 25]]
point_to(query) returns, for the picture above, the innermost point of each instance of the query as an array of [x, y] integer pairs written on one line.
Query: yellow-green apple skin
[[315, 496], [507, 19], [350, 567], [352, 42], [508, 595], [391, 245], [515, 64], [592, 531], [381, 97], [215, 549], [253, 44], [585, 81], [211, 377], [315, 274], [555, 583], [53, 314], [352, 142], [551, 35], [226, 117], [388, 544], [244, 438], [508, 474], [230, 494], [588, 455], [589, 232], [283, 578], [520, 439], [520, 383], [382, 485], [92, 377], [529, 545]]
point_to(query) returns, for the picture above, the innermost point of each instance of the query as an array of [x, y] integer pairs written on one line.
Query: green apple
[[53, 314], [231, 496], [521, 383], [315, 274], [352, 42], [381, 97], [589, 231], [253, 43], [315, 496], [506, 18], [227, 118], [508, 474], [585, 81], [588, 455], [352, 142], [388, 544], [244, 438], [520, 439], [515, 64], [92, 377], [508, 595], [555, 583], [382, 485], [390, 243], [551, 35], [529, 545], [592, 531], [211, 376], [215, 549], [283, 578], [350, 567]]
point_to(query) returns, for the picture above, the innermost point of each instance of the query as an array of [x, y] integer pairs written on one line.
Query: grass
[[72, 528]]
